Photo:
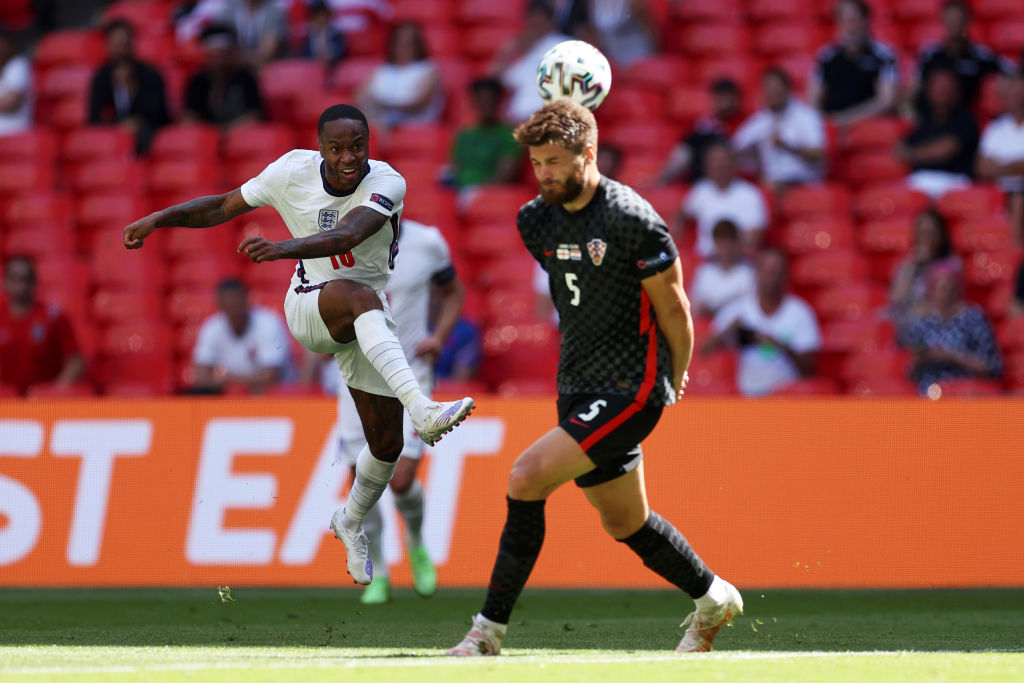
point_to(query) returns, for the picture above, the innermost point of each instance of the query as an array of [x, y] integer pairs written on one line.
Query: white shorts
[[350, 429], [302, 313]]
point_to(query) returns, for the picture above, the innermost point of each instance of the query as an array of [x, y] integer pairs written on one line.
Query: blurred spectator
[[726, 276], [786, 136], [724, 195], [15, 88], [192, 16], [687, 157], [940, 149], [223, 92], [1017, 304], [324, 41], [776, 332], [406, 88], [37, 343], [931, 245], [126, 90], [516, 62], [460, 357], [624, 30], [955, 52], [949, 337], [1001, 153], [242, 344], [609, 161], [485, 152], [856, 76], [261, 29]]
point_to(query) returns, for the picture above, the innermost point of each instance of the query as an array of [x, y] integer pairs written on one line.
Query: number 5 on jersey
[[346, 259], [570, 282]]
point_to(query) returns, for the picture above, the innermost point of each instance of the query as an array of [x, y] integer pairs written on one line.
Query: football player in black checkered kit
[[627, 338]]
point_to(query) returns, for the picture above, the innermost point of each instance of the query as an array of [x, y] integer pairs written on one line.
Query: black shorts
[[609, 429]]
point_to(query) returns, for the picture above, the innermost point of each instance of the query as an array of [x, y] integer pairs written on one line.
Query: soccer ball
[[575, 70]]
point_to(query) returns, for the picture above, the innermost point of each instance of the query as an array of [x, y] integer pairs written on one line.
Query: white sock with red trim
[[384, 351]]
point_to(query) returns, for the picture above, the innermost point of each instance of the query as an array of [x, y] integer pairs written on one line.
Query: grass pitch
[[321, 635]]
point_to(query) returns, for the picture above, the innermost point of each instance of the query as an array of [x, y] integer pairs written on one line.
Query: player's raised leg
[[625, 515], [551, 461]]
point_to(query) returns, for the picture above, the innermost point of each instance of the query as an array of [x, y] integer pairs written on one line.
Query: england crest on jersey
[[596, 248], [328, 220]]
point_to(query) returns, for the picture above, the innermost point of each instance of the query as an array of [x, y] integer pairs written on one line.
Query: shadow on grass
[[324, 620]]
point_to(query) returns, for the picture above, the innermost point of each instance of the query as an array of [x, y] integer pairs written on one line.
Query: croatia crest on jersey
[[596, 248], [328, 219]]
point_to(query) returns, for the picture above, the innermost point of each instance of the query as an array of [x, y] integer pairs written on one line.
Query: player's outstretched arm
[[672, 311], [201, 212], [352, 229]]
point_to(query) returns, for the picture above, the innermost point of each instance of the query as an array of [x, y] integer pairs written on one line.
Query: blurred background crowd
[[845, 182]]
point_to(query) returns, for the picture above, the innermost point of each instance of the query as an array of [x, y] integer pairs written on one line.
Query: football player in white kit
[[425, 268], [343, 210]]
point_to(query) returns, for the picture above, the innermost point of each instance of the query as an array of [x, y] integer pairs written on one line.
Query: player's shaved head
[[341, 111], [562, 122]]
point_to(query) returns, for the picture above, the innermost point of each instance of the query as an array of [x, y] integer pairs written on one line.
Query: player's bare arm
[[452, 295], [672, 311], [357, 225], [201, 212]]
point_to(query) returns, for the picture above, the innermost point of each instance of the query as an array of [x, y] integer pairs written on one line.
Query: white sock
[[717, 595], [410, 506], [373, 525], [499, 628], [382, 348], [372, 477]]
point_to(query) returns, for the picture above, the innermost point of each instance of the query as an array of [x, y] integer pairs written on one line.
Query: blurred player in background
[[627, 338], [343, 210], [425, 269]]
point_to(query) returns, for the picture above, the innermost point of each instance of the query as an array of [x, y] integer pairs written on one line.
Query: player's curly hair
[[562, 122]]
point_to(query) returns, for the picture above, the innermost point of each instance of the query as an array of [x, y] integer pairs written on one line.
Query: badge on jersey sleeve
[[328, 220], [596, 248]]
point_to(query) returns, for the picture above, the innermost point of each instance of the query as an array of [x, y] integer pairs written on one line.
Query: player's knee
[[621, 524], [525, 481], [387, 447], [402, 481]]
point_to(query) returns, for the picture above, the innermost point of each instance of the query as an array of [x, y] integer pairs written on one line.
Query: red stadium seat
[[985, 234], [890, 236], [424, 11], [272, 275], [426, 141], [37, 144], [650, 137], [977, 201], [505, 306], [914, 10], [98, 143], [631, 102], [638, 170], [489, 12], [480, 42], [666, 200], [889, 200], [712, 374], [58, 390], [816, 233], [845, 336], [113, 305], [701, 40], [284, 82], [239, 172], [688, 103], [887, 363], [493, 241], [99, 211], [147, 18], [66, 81], [742, 69], [513, 269], [44, 209], [834, 267], [102, 176], [352, 73], [137, 352], [813, 200], [113, 266], [181, 176], [853, 301], [185, 243], [305, 113], [70, 47], [496, 204], [25, 176], [205, 272], [263, 141], [1014, 371], [40, 241], [996, 9], [985, 269], [520, 352], [1011, 334], [878, 133], [187, 306], [773, 10], [789, 37], [186, 141], [661, 73], [450, 389], [874, 167], [872, 387], [706, 10], [811, 386], [1006, 36], [998, 302]]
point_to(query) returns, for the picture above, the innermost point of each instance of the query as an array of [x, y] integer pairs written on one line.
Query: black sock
[[667, 552], [520, 544]]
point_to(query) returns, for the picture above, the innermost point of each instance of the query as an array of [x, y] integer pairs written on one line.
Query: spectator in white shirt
[[1001, 153], [776, 333], [15, 89], [786, 136], [242, 344], [723, 195], [407, 87], [724, 278]]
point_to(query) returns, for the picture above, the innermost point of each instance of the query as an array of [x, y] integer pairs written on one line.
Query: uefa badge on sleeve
[[596, 248]]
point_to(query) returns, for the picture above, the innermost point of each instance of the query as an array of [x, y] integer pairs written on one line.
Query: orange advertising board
[[781, 493]]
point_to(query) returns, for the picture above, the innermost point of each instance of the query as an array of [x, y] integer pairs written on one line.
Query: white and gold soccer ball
[[577, 71]]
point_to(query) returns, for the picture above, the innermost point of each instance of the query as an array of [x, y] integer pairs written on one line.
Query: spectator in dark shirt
[[37, 343], [932, 244], [971, 62], [856, 76], [127, 91], [687, 158], [323, 40], [940, 149], [224, 92]]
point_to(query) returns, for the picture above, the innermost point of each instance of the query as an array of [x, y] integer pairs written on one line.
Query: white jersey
[[423, 258], [296, 187]]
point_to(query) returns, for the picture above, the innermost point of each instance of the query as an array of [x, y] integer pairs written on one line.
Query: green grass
[[312, 635]]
